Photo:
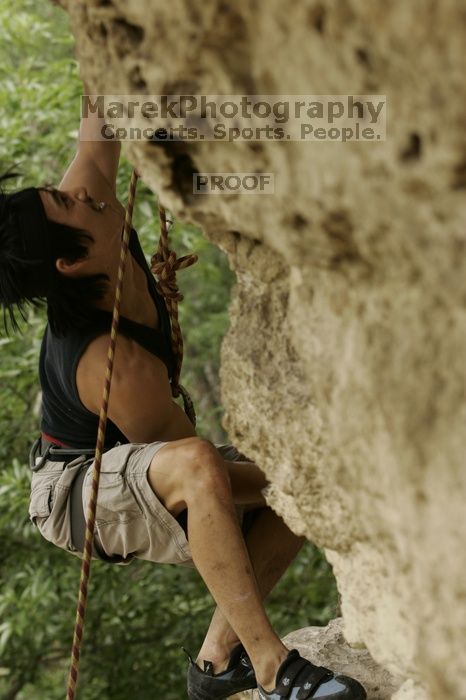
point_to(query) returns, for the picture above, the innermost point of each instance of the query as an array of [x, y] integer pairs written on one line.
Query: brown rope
[[91, 511], [165, 265]]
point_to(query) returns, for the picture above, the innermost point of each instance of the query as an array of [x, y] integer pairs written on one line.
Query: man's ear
[[68, 268]]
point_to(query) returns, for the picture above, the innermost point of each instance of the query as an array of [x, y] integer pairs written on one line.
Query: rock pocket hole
[[363, 57], [126, 36], [182, 168], [137, 81], [299, 221], [459, 176], [317, 17], [413, 149]]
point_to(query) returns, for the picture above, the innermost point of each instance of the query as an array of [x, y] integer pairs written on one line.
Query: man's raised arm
[[96, 157]]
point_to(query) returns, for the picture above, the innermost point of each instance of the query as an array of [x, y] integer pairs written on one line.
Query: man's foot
[[207, 685], [299, 679]]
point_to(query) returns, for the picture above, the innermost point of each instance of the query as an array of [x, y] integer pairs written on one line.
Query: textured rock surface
[[326, 646], [343, 371]]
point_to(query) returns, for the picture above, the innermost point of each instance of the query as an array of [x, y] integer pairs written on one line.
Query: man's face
[[76, 208]]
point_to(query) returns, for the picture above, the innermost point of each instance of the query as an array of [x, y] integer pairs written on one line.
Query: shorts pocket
[[49, 509], [116, 503], [40, 503]]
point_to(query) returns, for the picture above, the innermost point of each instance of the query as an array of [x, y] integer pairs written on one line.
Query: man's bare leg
[[191, 474], [272, 546]]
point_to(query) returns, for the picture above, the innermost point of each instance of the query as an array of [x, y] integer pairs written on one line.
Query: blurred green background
[[138, 616]]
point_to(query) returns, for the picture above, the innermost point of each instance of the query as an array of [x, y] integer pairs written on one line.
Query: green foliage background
[[138, 616]]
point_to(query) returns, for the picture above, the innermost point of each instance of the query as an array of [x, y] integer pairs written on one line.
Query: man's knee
[[198, 449], [186, 469], [202, 465]]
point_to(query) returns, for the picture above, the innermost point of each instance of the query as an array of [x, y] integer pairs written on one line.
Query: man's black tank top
[[64, 417]]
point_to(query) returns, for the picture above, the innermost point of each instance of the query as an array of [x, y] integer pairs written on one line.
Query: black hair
[[71, 302]]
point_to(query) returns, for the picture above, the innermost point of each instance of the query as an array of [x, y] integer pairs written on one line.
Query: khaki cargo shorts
[[131, 522]]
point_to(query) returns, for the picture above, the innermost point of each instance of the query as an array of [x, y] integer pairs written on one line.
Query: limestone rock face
[[343, 370]]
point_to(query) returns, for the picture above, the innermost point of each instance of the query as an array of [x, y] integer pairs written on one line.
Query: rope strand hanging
[[163, 264]]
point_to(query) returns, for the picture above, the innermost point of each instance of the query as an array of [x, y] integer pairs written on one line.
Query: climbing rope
[[164, 264]]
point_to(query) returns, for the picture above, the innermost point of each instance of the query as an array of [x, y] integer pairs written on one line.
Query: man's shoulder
[[133, 368]]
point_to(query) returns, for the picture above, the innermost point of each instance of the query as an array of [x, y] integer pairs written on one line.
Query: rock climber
[[167, 494]]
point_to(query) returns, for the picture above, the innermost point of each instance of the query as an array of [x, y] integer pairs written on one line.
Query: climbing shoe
[[298, 679], [207, 685]]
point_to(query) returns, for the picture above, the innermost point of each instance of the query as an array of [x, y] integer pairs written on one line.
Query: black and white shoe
[[299, 679], [207, 685]]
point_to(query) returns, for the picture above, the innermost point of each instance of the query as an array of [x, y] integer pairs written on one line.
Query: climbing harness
[[42, 451], [164, 264]]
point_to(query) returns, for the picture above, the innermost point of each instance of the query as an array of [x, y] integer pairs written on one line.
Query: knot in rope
[[165, 268], [164, 265]]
